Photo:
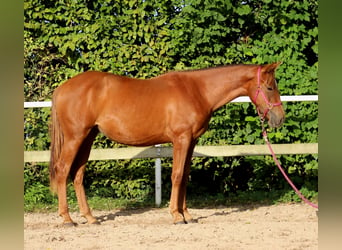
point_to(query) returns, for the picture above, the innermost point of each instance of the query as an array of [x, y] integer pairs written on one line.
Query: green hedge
[[146, 38]]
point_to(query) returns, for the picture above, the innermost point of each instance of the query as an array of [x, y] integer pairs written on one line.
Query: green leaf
[[244, 10]]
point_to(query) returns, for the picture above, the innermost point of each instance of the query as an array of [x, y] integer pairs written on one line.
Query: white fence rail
[[286, 98]]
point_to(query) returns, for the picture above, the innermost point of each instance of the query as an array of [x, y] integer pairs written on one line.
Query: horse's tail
[[56, 135]]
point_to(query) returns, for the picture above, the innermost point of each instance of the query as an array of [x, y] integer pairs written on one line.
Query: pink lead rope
[[264, 133]]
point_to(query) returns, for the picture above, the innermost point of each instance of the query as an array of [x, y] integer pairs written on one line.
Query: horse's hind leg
[[62, 169], [77, 173]]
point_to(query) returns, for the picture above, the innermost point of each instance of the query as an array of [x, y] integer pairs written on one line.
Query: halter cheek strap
[[259, 90]]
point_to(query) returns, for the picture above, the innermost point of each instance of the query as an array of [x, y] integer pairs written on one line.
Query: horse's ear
[[269, 68]]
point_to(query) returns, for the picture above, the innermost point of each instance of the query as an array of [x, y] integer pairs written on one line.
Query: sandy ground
[[285, 226]]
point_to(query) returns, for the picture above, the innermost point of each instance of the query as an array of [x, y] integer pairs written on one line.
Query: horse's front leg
[[182, 146], [187, 217]]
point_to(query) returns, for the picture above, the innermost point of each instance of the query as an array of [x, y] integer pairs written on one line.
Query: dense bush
[[146, 38]]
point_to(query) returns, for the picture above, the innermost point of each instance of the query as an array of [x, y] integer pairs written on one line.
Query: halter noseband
[[270, 105]]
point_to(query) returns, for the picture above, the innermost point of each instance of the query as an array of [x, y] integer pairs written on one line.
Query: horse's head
[[265, 95]]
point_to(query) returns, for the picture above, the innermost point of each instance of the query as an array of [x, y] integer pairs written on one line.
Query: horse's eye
[[269, 88]]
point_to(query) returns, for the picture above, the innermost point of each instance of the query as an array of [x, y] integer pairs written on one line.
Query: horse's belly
[[134, 135]]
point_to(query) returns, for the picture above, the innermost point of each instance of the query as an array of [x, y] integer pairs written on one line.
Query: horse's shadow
[[129, 212], [107, 217], [222, 213], [124, 212]]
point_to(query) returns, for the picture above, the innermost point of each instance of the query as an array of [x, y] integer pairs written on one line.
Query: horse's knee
[[177, 177], [78, 181], [61, 173]]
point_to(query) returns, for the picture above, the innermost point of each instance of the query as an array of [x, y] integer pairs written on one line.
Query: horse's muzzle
[[274, 120]]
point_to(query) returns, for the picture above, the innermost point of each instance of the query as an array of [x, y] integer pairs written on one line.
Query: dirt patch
[[286, 226]]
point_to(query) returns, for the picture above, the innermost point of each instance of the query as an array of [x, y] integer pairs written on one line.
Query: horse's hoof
[[179, 222], [69, 224]]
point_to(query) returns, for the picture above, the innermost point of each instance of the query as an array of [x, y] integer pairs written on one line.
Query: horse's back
[[88, 88], [83, 82]]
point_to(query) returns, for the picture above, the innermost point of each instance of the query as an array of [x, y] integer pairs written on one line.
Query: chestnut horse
[[174, 107]]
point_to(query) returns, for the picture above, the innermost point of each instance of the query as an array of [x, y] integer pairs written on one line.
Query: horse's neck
[[222, 85]]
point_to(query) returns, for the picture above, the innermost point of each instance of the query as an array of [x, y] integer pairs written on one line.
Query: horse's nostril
[[281, 121]]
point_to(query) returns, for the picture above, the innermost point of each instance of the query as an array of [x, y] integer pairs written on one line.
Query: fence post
[[158, 184]]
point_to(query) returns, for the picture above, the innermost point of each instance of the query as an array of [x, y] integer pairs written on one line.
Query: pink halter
[[270, 105]]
